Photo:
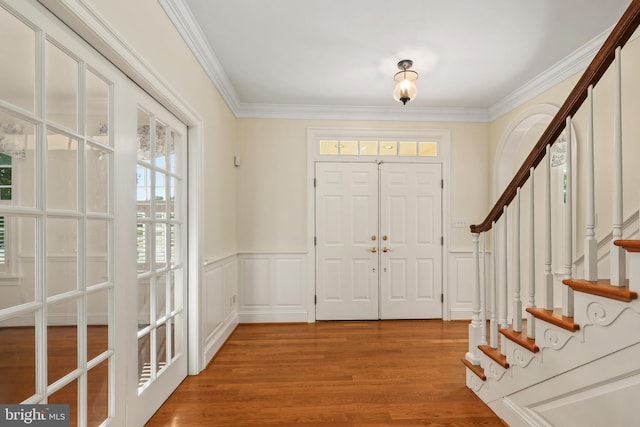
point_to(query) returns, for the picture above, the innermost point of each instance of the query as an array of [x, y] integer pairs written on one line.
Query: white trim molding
[[186, 24], [272, 287]]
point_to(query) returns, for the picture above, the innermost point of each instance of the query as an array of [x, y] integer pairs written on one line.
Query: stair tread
[[495, 354], [603, 288], [476, 369], [521, 338], [554, 317], [629, 245]]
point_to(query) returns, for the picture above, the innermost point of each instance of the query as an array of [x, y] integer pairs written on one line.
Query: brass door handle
[[374, 249], [386, 249]]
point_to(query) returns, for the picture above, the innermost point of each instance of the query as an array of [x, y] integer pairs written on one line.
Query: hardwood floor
[[385, 373]]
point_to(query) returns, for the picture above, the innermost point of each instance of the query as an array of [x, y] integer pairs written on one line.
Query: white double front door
[[378, 241]]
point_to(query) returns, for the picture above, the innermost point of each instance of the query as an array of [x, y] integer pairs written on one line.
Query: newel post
[[475, 328]]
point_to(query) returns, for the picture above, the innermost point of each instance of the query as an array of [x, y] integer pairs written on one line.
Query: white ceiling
[[336, 58]]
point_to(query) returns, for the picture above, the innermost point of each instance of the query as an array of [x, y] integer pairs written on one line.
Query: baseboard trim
[[216, 340]]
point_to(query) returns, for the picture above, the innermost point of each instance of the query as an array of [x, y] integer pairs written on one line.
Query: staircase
[[570, 354]]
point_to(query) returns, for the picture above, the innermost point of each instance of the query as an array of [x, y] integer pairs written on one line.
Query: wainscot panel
[[272, 287], [219, 309]]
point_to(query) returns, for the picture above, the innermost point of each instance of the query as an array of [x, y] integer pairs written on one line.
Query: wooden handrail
[[620, 34]]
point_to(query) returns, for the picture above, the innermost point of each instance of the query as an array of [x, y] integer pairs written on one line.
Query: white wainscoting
[[272, 287], [219, 303], [460, 290]]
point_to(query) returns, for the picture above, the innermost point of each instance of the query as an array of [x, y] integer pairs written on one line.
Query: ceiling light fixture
[[405, 79]]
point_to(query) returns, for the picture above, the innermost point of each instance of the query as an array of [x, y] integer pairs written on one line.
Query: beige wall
[[146, 27], [261, 206], [272, 187]]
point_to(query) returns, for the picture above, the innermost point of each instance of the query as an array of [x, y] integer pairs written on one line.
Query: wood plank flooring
[[384, 373]]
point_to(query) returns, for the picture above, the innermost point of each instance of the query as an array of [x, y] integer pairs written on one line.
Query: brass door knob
[[386, 249], [374, 249]]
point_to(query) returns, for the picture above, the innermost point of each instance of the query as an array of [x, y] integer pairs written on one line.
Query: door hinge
[[442, 183], [315, 241], [315, 299], [441, 297], [315, 182], [441, 240]]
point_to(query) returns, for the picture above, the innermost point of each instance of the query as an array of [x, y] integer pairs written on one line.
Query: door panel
[[361, 274], [410, 219], [346, 220]]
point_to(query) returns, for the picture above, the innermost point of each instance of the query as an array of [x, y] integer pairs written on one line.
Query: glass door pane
[[56, 217]]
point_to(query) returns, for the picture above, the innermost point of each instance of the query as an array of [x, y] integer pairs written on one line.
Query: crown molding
[[576, 62], [341, 112], [184, 21]]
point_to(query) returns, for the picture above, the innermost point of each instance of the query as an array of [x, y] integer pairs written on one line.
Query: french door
[[378, 241], [92, 229], [158, 348]]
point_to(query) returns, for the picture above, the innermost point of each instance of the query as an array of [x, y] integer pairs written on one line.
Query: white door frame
[[315, 134]]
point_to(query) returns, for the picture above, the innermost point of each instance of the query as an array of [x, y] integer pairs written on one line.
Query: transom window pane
[[407, 148], [428, 149], [349, 148], [388, 148], [329, 147], [368, 148]]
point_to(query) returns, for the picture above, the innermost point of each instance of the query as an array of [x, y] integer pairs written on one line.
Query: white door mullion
[[40, 197]]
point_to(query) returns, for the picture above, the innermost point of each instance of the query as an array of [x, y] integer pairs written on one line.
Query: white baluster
[[483, 293], [517, 302], [493, 322], [548, 252], [567, 292], [532, 255], [475, 328], [617, 256], [504, 303], [590, 243]]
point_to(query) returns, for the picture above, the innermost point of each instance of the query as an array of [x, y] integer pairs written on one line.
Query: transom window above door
[[340, 147]]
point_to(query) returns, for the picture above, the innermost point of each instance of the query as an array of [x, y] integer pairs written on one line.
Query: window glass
[[17, 85], [18, 367], [349, 148], [62, 255], [329, 147], [427, 149], [62, 172], [97, 108], [61, 72], [388, 148], [144, 136], [407, 148], [368, 148]]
